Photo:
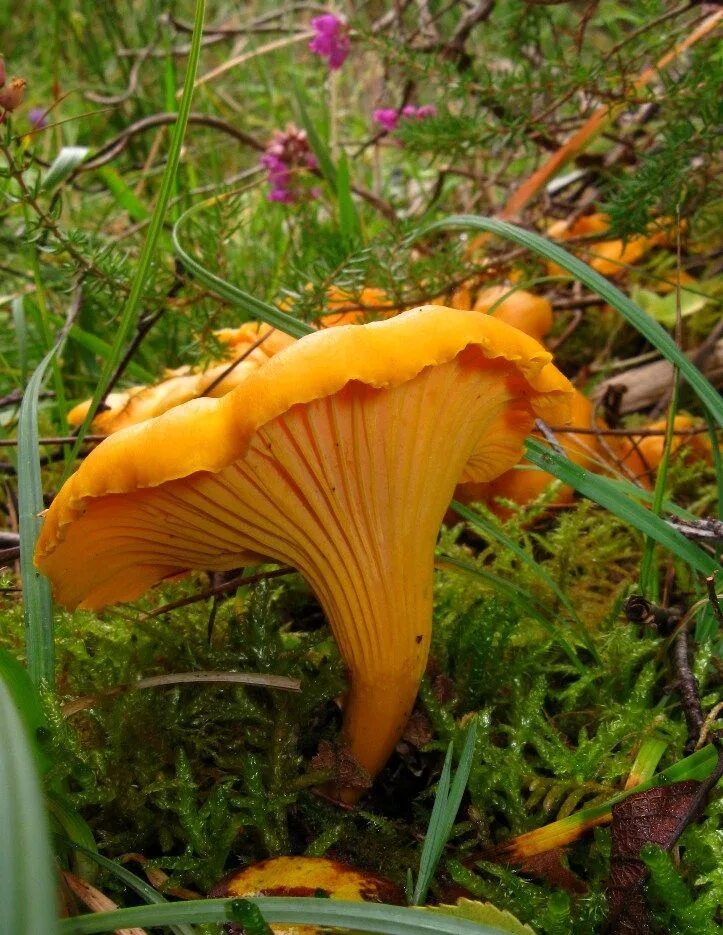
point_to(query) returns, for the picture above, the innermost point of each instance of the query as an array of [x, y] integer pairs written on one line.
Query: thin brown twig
[[230, 585], [234, 363]]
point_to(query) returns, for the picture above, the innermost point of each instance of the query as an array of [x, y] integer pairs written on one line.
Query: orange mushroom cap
[[339, 457], [641, 454], [608, 257], [139, 403], [524, 310], [524, 484], [306, 876]]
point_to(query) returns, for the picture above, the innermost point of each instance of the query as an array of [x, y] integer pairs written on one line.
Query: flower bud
[[12, 96]]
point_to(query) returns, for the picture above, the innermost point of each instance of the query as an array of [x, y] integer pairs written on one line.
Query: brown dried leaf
[[96, 901], [655, 816], [551, 868], [341, 764]]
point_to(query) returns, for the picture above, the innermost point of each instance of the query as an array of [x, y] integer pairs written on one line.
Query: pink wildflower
[[387, 118], [426, 110], [331, 40], [287, 159]]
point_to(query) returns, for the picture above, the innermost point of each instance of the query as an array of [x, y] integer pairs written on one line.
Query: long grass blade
[[131, 880], [37, 601], [27, 702], [129, 315], [27, 887], [21, 336], [647, 326], [607, 494], [697, 766], [329, 913], [253, 307]]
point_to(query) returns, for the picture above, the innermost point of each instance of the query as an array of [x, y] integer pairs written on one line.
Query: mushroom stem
[[374, 718]]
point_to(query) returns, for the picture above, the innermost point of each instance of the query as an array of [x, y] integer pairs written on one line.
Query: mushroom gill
[[339, 457]]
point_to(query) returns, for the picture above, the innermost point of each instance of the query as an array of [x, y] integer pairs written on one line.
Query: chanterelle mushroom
[[339, 457]]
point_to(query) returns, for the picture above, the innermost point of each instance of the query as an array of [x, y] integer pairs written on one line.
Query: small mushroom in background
[[338, 457], [609, 257], [252, 341], [524, 310], [306, 876], [640, 455], [524, 484], [139, 403]]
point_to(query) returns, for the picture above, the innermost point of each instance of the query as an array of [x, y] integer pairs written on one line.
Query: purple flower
[[38, 117], [331, 40], [387, 118], [288, 160], [426, 110]]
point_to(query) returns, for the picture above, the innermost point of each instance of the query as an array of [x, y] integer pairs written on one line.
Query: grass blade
[[21, 336], [130, 311], [647, 326], [348, 217], [27, 886], [37, 601], [25, 697], [254, 307], [444, 812], [318, 146], [329, 913], [608, 495], [697, 766], [131, 880]]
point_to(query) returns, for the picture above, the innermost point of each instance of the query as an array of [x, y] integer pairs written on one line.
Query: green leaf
[[444, 812], [21, 336], [124, 195], [64, 164], [607, 494], [643, 323], [486, 914], [330, 913], [663, 308], [27, 701], [348, 217], [27, 884], [37, 601]]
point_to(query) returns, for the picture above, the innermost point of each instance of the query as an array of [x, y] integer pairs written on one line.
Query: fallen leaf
[[484, 914], [651, 817]]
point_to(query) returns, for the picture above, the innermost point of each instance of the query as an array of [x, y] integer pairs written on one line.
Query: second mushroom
[[339, 457]]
